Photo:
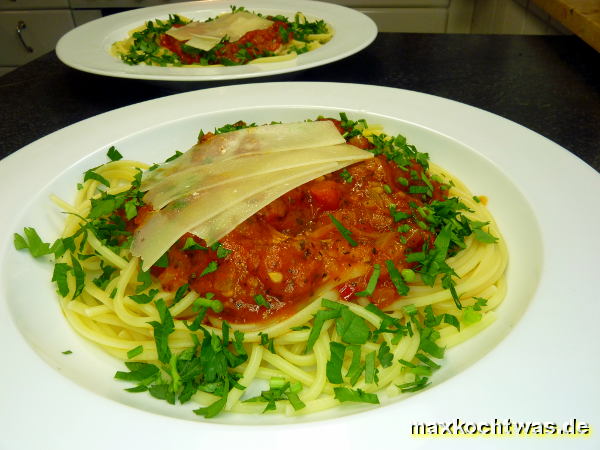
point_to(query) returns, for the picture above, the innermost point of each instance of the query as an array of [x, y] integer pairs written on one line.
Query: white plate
[[87, 47], [538, 362]]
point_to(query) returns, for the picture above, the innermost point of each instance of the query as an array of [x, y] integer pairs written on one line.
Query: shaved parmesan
[[248, 141], [203, 42], [205, 35], [216, 185], [208, 176]]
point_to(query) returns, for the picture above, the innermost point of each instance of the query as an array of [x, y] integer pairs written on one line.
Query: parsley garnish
[[135, 352], [345, 175], [113, 154], [279, 390], [350, 395], [32, 242], [372, 284], [91, 175], [262, 301], [347, 234]]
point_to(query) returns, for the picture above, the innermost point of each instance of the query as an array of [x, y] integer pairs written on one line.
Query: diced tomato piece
[[326, 195]]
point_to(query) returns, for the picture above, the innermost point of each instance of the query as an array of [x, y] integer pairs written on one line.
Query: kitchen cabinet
[[30, 28]]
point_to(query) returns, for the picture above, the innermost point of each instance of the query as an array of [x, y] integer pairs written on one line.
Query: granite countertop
[[550, 84]]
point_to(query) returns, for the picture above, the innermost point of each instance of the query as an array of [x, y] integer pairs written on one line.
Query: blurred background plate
[[87, 47]]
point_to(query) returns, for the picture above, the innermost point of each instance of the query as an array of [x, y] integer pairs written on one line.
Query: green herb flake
[[384, 355], [398, 215], [59, 276], [334, 365], [180, 293], [351, 395], [320, 318], [352, 328], [481, 235], [356, 368], [213, 409], [346, 177], [91, 175], [113, 154], [370, 368], [79, 275], [212, 267], [347, 234], [191, 244], [163, 261], [162, 330], [135, 352], [173, 157], [372, 284], [262, 301], [144, 279], [396, 277], [31, 241], [139, 372]]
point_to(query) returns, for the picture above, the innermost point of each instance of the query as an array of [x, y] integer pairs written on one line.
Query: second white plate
[[87, 48]]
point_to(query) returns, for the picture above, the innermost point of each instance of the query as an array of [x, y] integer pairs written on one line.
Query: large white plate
[[536, 363], [87, 47]]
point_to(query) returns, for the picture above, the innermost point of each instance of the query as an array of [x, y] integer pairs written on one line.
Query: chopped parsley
[[347, 234], [262, 301], [279, 390], [372, 284]]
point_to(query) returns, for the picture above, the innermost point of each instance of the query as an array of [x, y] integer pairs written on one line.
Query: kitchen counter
[[550, 84]]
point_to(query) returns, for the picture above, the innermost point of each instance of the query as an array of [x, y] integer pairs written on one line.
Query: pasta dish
[[234, 38], [323, 261]]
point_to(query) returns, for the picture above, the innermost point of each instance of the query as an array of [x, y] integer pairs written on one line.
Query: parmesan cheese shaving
[[248, 141], [207, 176], [205, 35], [203, 42]]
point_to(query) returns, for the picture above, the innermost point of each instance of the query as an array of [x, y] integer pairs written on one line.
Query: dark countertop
[[550, 84]]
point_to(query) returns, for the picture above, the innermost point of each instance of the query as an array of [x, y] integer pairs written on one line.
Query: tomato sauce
[[291, 249], [251, 45]]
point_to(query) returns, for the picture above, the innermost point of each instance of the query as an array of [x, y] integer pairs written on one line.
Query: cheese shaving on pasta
[[205, 35], [248, 141]]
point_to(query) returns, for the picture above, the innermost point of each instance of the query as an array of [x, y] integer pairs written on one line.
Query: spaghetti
[[375, 329]]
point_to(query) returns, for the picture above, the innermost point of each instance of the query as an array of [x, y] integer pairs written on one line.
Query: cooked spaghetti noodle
[[335, 348]]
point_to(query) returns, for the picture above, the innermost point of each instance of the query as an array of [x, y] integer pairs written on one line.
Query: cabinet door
[[40, 31], [408, 20], [33, 4]]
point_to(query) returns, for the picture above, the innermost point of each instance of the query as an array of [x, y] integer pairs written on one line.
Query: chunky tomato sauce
[[251, 45], [290, 249]]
